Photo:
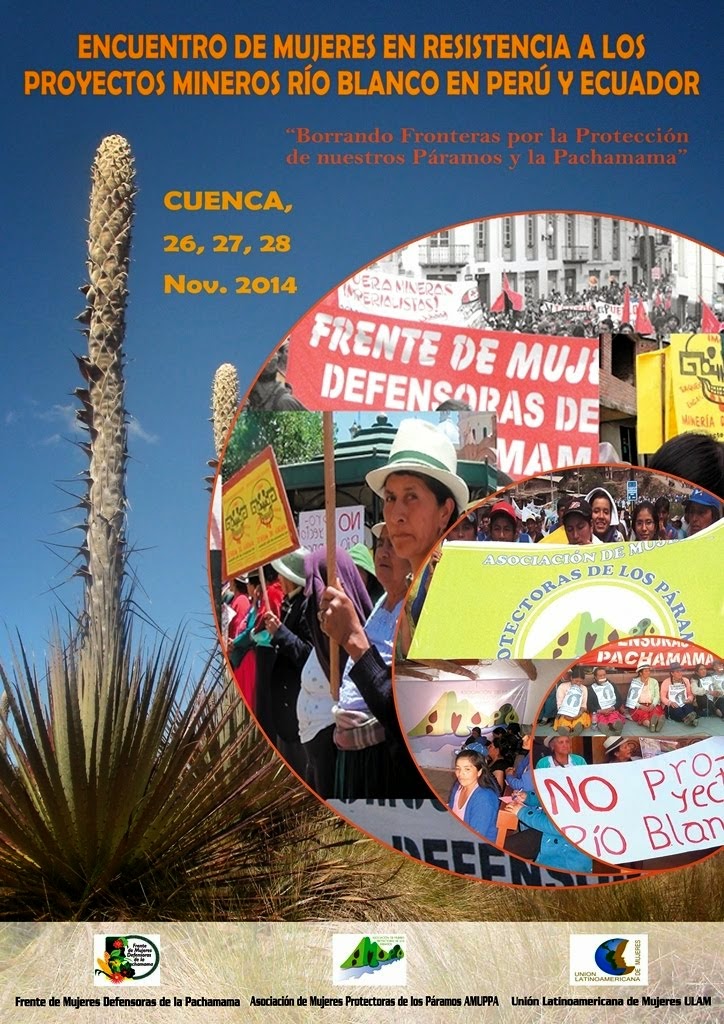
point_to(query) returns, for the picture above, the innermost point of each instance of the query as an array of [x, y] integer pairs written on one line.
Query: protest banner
[[394, 295], [619, 813], [543, 390], [427, 831], [563, 601], [258, 524], [349, 524], [658, 651]]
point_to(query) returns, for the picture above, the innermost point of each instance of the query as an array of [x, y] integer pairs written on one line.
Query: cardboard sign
[[543, 390], [350, 527], [257, 520], [618, 813], [562, 601]]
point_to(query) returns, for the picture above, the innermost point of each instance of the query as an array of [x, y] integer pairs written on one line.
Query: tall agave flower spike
[[224, 403], [102, 396]]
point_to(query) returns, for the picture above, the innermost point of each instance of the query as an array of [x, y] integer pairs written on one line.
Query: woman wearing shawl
[[315, 703], [604, 516]]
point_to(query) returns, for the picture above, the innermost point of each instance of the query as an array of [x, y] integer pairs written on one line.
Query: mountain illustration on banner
[[368, 953], [452, 716], [583, 633], [560, 600]]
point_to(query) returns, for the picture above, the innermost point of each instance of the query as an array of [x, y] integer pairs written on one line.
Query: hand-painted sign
[[638, 810], [257, 520]]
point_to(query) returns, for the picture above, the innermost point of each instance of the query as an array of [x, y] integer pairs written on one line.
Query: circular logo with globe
[[610, 957]]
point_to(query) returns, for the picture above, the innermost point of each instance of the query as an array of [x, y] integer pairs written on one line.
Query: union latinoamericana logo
[[121, 959], [369, 959], [608, 959]]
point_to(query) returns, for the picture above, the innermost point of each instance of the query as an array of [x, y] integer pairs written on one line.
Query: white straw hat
[[419, 447]]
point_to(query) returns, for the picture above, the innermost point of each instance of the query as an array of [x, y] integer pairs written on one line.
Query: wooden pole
[[330, 505]]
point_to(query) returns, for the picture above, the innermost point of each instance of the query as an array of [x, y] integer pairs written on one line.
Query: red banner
[[543, 390]]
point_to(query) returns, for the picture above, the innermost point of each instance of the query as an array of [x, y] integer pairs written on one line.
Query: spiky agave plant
[[102, 396]]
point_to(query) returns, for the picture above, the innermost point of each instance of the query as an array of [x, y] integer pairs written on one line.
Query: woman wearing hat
[[572, 714], [423, 496], [620, 749], [643, 699], [677, 698]]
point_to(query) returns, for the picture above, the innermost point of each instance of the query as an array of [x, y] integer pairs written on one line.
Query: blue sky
[[342, 219]]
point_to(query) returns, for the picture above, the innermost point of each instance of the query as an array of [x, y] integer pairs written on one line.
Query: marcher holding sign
[[423, 496]]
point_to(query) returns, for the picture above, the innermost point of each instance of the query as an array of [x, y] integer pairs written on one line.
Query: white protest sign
[[350, 527], [672, 803]]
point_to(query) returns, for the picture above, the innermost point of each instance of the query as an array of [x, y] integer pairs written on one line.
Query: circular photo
[[512, 361]]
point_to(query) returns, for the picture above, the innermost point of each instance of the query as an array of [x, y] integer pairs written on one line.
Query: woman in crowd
[[500, 758], [423, 496], [315, 703], [645, 521], [572, 714], [605, 704], [365, 766], [644, 700], [707, 691], [553, 849], [520, 777], [605, 515], [474, 796], [620, 749], [677, 698]]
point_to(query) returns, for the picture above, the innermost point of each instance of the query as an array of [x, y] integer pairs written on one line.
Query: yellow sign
[[257, 519], [690, 391]]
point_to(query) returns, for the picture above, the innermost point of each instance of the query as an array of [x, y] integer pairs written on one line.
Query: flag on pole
[[709, 321], [507, 300], [626, 310], [643, 325]]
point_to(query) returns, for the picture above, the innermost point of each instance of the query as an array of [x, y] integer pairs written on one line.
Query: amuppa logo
[[264, 500], [609, 960], [368, 959], [122, 959]]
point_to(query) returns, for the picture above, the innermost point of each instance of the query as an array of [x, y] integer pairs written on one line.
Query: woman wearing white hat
[[644, 700], [422, 492], [423, 496]]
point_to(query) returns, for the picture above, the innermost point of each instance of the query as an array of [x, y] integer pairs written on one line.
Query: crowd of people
[[593, 518], [586, 312], [579, 702]]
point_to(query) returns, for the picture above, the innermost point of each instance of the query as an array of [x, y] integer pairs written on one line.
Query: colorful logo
[[126, 958], [369, 959], [609, 960], [235, 518], [702, 358], [263, 502], [610, 957]]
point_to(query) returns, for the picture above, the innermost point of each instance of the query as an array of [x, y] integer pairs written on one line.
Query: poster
[[248, 210]]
